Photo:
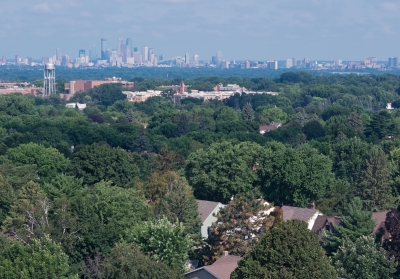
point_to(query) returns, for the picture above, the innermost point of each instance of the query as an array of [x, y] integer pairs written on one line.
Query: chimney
[[225, 253]]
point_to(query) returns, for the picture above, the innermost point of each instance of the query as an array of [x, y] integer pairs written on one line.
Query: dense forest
[[26, 73], [110, 191]]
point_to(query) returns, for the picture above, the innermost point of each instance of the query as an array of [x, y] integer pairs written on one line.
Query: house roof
[[224, 266], [206, 208], [379, 218], [304, 214], [267, 128], [320, 223]]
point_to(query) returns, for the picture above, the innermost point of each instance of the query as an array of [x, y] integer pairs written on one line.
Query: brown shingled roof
[[304, 214], [379, 218], [224, 266], [206, 208], [320, 223]]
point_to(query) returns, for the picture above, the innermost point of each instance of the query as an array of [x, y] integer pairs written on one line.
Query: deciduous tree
[[363, 259], [289, 250], [126, 261], [162, 241]]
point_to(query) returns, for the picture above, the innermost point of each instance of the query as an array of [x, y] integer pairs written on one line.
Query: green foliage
[[29, 215], [41, 258], [248, 112], [349, 156], [179, 205], [107, 94], [142, 142], [98, 162], [49, 161], [363, 259], [126, 261], [7, 199], [294, 176], [355, 223], [374, 184], [105, 212], [289, 250], [163, 241], [313, 129], [183, 125], [223, 170]]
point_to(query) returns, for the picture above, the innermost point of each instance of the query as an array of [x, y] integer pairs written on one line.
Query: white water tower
[[49, 80]]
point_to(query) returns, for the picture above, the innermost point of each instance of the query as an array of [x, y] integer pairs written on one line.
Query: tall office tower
[[93, 53], [82, 53], [196, 59], [289, 63], [294, 62], [128, 48], [218, 57], [145, 53], [161, 57], [4, 60], [135, 49], [103, 54], [17, 59], [65, 60], [187, 59], [45, 60], [247, 64], [58, 54], [273, 65], [49, 80], [29, 61], [121, 48], [393, 62], [151, 51]]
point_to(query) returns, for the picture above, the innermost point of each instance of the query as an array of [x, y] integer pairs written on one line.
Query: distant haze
[[250, 29]]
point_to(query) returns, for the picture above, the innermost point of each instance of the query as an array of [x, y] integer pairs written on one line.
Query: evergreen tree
[[183, 125], [289, 250], [248, 112], [7, 199], [363, 259], [130, 116], [392, 244], [237, 104], [374, 183], [356, 123], [142, 143], [355, 223]]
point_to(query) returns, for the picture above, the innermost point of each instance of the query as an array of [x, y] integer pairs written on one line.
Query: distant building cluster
[[125, 54], [74, 86]]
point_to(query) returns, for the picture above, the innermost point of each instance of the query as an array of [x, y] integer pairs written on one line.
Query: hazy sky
[[241, 29]]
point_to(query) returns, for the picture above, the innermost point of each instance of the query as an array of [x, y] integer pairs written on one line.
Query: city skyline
[[253, 30]]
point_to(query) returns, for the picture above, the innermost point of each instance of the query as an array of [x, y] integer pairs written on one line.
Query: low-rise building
[[221, 269], [84, 85], [207, 209], [141, 96], [270, 127]]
